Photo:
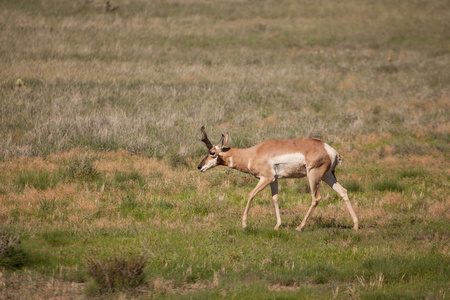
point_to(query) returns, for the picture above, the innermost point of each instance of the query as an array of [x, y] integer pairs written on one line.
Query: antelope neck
[[238, 159]]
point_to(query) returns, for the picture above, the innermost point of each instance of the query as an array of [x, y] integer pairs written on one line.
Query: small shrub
[[82, 168], [11, 254], [117, 274]]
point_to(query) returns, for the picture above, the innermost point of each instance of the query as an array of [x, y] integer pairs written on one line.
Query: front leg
[[263, 182], [274, 188]]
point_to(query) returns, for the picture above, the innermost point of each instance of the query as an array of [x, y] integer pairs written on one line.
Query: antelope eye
[[212, 153]]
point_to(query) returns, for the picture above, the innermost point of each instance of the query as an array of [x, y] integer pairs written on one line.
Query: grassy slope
[[145, 77]]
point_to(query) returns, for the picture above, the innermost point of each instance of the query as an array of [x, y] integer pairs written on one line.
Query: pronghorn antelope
[[274, 159]]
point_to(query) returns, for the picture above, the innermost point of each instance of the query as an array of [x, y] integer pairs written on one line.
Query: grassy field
[[100, 115]]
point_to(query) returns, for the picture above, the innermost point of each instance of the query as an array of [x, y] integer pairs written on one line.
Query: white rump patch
[[334, 156]]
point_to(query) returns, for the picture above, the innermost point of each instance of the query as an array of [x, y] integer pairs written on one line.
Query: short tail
[[340, 159]]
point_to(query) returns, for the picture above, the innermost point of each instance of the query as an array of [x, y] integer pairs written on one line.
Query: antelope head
[[214, 157]]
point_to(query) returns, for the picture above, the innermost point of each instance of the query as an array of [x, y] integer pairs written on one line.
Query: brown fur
[[319, 164]]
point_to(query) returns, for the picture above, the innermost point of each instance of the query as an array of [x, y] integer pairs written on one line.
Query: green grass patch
[[399, 268], [126, 177], [58, 237], [41, 180], [414, 173], [387, 184], [353, 186], [131, 206]]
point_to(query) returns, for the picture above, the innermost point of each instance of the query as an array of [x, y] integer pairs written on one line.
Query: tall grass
[[146, 76]]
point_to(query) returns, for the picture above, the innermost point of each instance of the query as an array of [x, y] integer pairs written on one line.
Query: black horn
[[205, 139]]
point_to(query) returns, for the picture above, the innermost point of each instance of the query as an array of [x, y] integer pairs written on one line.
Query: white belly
[[288, 165]]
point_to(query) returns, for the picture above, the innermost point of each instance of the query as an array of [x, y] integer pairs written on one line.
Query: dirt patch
[[282, 288], [439, 210], [31, 285]]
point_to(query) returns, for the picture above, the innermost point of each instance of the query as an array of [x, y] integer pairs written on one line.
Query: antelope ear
[[225, 141], [205, 139], [221, 143]]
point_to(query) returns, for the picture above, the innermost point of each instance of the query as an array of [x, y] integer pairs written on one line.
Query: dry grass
[[124, 74], [30, 284]]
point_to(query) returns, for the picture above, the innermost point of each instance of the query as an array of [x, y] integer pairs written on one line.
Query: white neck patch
[[230, 164]]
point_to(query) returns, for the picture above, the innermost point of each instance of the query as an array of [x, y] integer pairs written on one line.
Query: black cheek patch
[[203, 162]]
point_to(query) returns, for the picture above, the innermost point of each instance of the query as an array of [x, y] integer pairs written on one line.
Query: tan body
[[274, 159]]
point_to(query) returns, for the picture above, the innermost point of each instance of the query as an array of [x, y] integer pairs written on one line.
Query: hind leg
[[331, 180], [314, 177]]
